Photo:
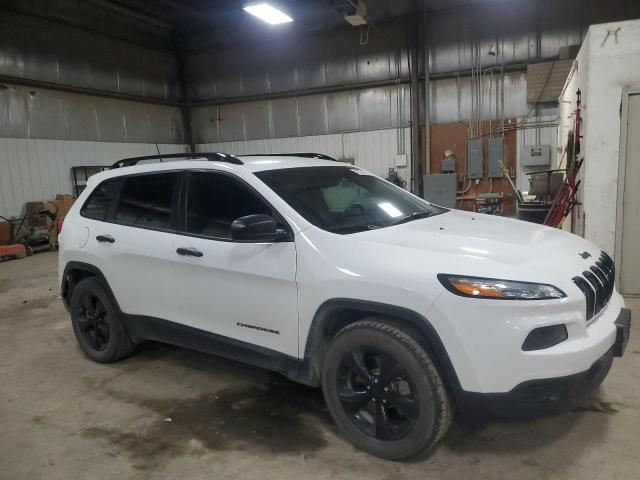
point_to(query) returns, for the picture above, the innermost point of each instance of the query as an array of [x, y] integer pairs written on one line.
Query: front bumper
[[484, 338], [536, 398]]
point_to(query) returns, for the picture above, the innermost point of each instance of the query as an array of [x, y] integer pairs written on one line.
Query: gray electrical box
[[496, 155], [440, 189], [474, 158], [536, 156], [448, 165]]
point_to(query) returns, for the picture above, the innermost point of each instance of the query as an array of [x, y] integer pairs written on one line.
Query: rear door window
[[148, 201], [101, 200]]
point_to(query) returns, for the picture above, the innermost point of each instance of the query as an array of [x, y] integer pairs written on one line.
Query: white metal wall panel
[[373, 150], [34, 170]]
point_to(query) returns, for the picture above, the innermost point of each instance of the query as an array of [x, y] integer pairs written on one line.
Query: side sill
[[142, 328]]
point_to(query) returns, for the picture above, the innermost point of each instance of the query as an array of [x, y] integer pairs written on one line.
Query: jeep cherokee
[[401, 310]]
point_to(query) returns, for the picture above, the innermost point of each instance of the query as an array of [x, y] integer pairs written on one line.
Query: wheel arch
[[337, 313], [74, 272]]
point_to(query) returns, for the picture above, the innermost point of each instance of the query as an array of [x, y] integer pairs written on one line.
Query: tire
[[96, 323], [412, 411]]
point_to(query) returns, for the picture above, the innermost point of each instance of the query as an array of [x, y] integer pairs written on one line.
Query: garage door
[[630, 259]]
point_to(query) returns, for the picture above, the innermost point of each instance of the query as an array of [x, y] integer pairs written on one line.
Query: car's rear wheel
[[96, 323], [384, 391]]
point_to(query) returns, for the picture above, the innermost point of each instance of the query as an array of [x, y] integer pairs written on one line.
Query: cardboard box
[[33, 208], [5, 233], [64, 203]]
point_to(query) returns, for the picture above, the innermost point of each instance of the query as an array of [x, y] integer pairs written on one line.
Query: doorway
[[628, 215]]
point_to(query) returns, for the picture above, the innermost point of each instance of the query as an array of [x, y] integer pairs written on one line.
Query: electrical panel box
[[536, 156], [496, 155], [474, 159], [440, 189]]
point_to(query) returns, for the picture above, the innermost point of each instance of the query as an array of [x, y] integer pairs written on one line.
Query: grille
[[597, 284]]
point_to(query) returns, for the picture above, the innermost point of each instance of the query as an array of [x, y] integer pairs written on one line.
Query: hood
[[479, 238]]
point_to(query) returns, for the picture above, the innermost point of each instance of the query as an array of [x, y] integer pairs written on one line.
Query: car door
[[243, 291], [135, 241]]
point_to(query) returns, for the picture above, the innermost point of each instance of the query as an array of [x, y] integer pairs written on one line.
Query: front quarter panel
[[334, 266]]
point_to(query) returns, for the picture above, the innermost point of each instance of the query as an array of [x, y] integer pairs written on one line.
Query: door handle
[[189, 252], [105, 239]]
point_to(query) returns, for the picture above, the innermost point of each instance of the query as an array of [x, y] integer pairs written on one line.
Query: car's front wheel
[[384, 391], [96, 323]]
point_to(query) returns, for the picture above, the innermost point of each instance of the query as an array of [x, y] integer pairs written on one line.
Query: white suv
[[401, 310]]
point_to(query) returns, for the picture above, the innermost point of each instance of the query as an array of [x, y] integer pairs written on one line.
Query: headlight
[[478, 287]]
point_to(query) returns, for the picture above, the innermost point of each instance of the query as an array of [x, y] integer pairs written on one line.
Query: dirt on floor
[[172, 413]]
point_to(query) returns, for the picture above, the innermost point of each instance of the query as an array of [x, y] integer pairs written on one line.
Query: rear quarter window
[[100, 200]]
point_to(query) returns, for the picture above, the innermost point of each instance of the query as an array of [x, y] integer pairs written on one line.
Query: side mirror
[[256, 228]]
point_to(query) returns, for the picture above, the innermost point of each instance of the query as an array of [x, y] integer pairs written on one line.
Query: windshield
[[345, 199]]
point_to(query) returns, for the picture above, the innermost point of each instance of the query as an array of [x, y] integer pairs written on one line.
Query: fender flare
[[313, 347]]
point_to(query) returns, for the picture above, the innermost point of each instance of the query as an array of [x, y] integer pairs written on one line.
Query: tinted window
[[146, 200], [214, 201], [346, 199], [98, 203]]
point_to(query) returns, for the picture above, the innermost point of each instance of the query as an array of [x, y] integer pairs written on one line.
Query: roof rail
[[319, 156], [210, 156]]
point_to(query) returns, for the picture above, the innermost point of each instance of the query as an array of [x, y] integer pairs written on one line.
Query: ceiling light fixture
[[267, 13]]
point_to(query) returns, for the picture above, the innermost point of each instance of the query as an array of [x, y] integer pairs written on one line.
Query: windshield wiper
[[413, 216], [352, 228]]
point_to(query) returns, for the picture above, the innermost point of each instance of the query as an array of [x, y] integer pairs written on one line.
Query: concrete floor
[[172, 413]]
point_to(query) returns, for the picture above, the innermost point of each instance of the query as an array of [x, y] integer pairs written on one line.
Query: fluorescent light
[[267, 13]]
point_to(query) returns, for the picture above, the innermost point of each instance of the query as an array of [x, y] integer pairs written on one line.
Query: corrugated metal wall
[[40, 169], [305, 74], [27, 112], [294, 64], [368, 109], [353, 110], [517, 32], [33, 48], [373, 150]]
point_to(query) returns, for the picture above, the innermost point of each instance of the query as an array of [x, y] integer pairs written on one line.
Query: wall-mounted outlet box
[[401, 161]]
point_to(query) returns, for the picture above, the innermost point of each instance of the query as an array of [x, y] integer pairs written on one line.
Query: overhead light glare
[[267, 13]]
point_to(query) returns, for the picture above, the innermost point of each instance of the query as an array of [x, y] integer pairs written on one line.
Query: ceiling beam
[[186, 9], [131, 13]]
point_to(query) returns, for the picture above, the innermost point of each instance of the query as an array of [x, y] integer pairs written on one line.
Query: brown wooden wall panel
[[453, 136]]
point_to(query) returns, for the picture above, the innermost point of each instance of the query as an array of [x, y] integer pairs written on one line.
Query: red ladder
[[566, 197]]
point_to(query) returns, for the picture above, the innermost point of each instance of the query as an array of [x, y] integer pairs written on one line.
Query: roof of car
[[258, 163], [252, 163]]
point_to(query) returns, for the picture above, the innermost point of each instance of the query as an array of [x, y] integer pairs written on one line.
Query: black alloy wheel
[[92, 321], [97, 322], [377, 394], [383, 390]]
